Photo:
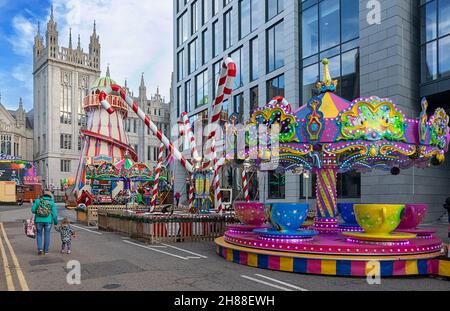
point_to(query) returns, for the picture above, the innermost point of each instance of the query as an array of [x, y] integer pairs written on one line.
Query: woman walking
[[45, 215]]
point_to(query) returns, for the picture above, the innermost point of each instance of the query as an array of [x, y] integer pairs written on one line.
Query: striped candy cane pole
[[217, 193], [191, 137], [191, 192], [224, 88], [148, 122], [245, 186], [157, 172]]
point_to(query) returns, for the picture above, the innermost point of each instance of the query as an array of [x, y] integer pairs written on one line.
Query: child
[[67, 233]]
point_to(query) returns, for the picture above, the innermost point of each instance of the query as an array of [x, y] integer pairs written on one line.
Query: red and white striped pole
[[190, 136], [217, 193], [148, 122], [245, 186], [224, 88], [191, 192], [157, 172]]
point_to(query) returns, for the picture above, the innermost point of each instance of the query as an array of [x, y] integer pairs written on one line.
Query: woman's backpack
[[44, 208]]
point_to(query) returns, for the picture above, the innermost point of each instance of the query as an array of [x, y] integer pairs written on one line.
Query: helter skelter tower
[[104, 138]]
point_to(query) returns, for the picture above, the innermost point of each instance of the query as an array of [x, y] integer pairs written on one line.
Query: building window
[[65, 141], [254, 99], [205, 9], [179, 102], [227, 29], [254, 59], [435, 40], [194, 60], [343, 67], [238, 106], [348, 185], [244, 18], [205, 49], [275, 87], [216, 74], [5, 144], [80, 143], [134, 126], [275, 47], [341, 48], [188, 97], [180, 67], [215, 40], [66, 104], [274, 7], [194, 17], [65, 166], [277, 185], [238, 59], [149, 151], [216, 8], [201, 86], [182, 25]]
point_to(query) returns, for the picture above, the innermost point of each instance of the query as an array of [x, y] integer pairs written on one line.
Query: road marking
[[156, 250], [266, 283], [184, 250], [19, 272], [88, 230], [8, 275], [283, 283]]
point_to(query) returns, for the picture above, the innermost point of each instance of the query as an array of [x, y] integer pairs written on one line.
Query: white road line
[[184, 250], [88, 230], [266, 283], [283, 283], [156, 250]]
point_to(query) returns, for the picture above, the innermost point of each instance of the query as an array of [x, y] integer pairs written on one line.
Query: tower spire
[[108, 74], [70, 38], [20, 103], [39, 29], [51, 13], [79, 42], [142, 81], [95, 27]]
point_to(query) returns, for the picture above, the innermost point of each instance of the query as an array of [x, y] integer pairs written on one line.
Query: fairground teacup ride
[[379, 222], [347, 213], [412, 216]]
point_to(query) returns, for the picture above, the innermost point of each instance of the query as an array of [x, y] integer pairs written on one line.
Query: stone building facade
[[62, 77], [16, 132]]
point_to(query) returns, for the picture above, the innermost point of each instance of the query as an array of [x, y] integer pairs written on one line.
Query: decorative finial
[[79, 42], [108, 74], [95, 26], [142, 80], [20, 103], [327, 85], [51, 13], [126, 83], [157, 90], [39, 28]]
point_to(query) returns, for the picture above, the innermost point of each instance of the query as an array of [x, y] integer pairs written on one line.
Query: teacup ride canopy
[[331, 135]]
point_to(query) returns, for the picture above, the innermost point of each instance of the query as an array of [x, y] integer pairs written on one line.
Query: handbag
[[30, 228]]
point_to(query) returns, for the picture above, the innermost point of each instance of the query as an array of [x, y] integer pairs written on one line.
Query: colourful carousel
[[327, 136]]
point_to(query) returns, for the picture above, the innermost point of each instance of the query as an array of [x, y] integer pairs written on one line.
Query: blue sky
[[136, 37]]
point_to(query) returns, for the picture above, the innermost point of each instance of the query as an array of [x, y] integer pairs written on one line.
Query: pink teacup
[[412, 216], [251, 213]]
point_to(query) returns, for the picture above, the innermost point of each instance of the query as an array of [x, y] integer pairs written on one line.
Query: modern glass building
[[277, 46]]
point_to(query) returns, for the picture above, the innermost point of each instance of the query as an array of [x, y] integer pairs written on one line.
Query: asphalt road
[[109, 261]]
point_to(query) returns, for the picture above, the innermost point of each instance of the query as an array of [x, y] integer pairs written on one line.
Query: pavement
[[110, 262]]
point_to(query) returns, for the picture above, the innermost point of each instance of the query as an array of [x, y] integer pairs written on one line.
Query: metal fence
[[165, 228]]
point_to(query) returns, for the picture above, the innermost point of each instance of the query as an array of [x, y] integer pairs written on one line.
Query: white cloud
[[135, 36], [22, 39], [22, 73]]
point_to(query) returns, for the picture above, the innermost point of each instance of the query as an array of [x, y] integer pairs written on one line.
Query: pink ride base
[[335, 244]]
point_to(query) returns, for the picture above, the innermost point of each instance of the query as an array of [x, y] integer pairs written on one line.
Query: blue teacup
[[287, 216], [347, 213]]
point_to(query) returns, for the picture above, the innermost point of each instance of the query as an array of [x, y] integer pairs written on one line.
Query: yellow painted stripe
[[19, 272], [287, 264], [444, 268], [324, 196], [8, 275], [252, 260], [329, 267], [229, 254], [327, 184], [411, 267]]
